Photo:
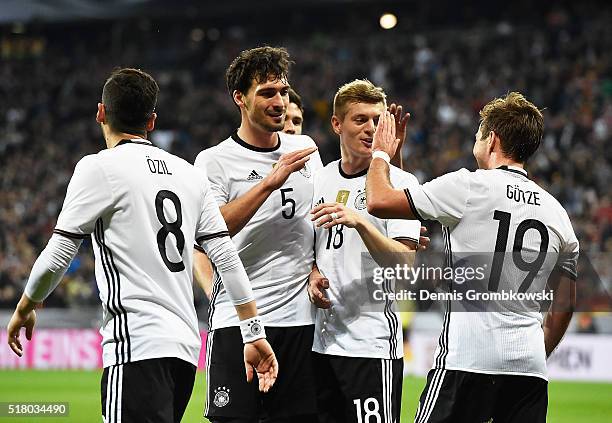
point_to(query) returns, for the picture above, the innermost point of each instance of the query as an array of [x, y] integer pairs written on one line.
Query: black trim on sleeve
[[70, 235], [200, 249], [405, 238], [354, 175], [412, 206], [211, 236], [245, 144], [572, 275]]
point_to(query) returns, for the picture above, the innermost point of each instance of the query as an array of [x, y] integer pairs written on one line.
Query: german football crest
[[343, 196], [305, 171], [222, 396], [360, 201]]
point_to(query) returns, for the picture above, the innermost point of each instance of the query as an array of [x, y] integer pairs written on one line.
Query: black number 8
[[173, 228]]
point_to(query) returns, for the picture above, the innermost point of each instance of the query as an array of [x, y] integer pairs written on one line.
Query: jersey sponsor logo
[[360, 201], [254, 176], [343, 196], [305, 171], [222, 396]]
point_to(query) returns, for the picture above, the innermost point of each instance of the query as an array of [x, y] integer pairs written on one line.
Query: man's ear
[[336, 125], [151, 122], [238, 98], [101, 114], [492, 142]]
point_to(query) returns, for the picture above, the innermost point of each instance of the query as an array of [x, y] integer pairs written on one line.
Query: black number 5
[[173, 228], [287, 214]]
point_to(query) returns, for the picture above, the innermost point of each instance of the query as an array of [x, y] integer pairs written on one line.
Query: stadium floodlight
[[388, 21]]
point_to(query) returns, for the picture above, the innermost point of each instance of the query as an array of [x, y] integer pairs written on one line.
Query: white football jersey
[[276, 245], [144, 209], [497, 210], [352, 327]]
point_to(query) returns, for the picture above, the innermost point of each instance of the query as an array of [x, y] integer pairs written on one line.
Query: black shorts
[[229, 395], [358, 389], [156, 390], [458, 396]]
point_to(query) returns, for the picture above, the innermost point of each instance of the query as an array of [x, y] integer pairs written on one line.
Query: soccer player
[[294, 120], [262, 180], [357, 351], [294, 117], [144, 209], [491, 366]]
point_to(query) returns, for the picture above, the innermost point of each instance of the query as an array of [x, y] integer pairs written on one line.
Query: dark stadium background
[[443, 61]]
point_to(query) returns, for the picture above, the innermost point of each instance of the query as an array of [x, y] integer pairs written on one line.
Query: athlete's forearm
[[384, 201], [561, 309], [385, 251], [237, 213], [50, 266], [555, 325]]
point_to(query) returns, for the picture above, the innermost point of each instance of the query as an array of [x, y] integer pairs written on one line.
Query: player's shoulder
[[329, 170], [399, 176], [296, 142], [217, 152]]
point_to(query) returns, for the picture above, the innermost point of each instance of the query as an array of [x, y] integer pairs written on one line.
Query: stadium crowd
[[49, 83]]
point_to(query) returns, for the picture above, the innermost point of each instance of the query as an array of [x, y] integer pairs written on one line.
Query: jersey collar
[[354, 175], [514, 169], [245, 144], [135, 141]]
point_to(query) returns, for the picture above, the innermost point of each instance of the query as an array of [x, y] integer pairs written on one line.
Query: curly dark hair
[[129, 97], [261, 64]]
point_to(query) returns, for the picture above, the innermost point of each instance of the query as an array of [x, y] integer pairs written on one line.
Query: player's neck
[[353, 165], [495, 163], [114, 138], [257, 137]]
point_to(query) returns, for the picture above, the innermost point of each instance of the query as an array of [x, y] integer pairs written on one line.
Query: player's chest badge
[[343, 196], [360, 200], [305, 171]]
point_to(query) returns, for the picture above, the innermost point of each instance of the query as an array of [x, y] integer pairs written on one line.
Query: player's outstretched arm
[[383, 200], [561, 309], [385, 251], [237, 213]]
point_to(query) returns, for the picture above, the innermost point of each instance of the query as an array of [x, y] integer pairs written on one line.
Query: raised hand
[[384, 136], [286, 165]]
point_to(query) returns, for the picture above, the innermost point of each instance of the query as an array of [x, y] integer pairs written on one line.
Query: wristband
[[252, 329], [381, 155]]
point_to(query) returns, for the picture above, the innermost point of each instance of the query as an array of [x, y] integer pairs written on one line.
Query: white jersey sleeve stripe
[[415, 211]]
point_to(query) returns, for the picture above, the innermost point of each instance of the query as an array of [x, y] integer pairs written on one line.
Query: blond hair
[[357, 91], [518, 123]]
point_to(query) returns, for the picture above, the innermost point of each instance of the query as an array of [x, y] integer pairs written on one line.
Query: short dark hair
[[259, 63], [518, 123], [129, 97], [295, 98]]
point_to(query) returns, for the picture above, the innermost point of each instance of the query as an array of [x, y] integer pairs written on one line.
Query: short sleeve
[[215, 174], [88, 197], [210, 224], [568, 259], [443, 199]]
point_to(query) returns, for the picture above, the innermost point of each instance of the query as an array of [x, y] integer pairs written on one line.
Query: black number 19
[[517, 257]]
